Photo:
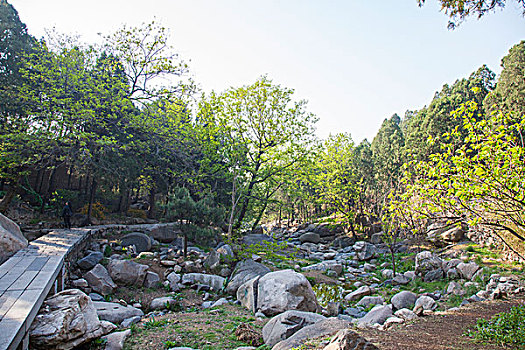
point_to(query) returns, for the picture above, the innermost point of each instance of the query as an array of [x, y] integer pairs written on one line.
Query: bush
[[98, 210], [137, 213], [504, 328]]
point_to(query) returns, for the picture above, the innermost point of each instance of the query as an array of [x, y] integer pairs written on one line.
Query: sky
[[356, 62]]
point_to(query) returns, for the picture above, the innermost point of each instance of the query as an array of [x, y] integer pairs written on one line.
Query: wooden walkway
[[28, 277]]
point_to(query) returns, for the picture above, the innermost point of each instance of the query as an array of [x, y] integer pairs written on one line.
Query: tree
[[260, 132], [459, 10], [387, 150], [480, 180], [509, 94]]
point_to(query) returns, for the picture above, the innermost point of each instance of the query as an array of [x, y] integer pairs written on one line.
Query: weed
[[504, 328], [153, 323], [170, 344]]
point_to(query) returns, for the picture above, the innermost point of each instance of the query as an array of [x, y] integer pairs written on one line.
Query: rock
[[115, 313], [220, 302], [406, 314], [327, 265], [152, 279], [213, 260], [401, 280], [99, 280], [226, 250], [369, 267], [129, 321], [68, 319], [162, 303], [359, 293], [368, 300], [284, 325], [346, 339], [165, 233], [392, 320], [426, 261], [310, 237], [89, 261], [404, 299], [115, 341], [247, 294], [127, 272], [378, 314], [452, 274], [322, 328], [467, 270], [364, 250], [214, 282], [455, 288], [424, 303], [11, 238], [434, 275], [141, 241], [284, 290], [80, 283], [455, 234], [96, 297], [387, 273], [173, 280], [244, 271], [333, 309], [256, 238], [377, 238]]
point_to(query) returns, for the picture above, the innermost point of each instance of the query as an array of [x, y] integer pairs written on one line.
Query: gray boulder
[[401, 279], [152, 279], [284, 290], [284, 325], [244, 271], [11, 238], [405, 314], [99, 280], [115, 341], [127, 272], [141, 241], [115, 313], [424, 303], [89, 261], [213, 260], [256, 238], [162, 303], [404, 299], [368, 300], [467, 270], [365, 250], [454, 234], [68, 319], [247, 294], [165, 233], [346, 339], [359, 293], [323, 328], [173, 280], [310, 237], [426, 262], [378, 314], [215, 282]]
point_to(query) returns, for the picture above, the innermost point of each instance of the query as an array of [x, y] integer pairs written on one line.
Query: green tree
[[509, 94], [260, 132], [459, 10]]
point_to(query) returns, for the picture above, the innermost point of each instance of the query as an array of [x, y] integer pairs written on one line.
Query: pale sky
[[357, 62]]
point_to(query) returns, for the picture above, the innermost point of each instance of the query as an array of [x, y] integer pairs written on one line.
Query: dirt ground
[[442, 332]]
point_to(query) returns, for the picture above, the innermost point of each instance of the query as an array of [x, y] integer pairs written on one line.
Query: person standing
[[67, 213]]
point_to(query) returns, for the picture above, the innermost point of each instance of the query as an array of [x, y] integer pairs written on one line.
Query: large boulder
[[141, 241], [310, 237], [127, 272], [115, 313], [364, 250], [214, 282], [284, 325], [323, 328], [256, 239], [346, 339], [247, 294], [90, 260], [455, 234], [165, 233], [115, 341], [359, 293], [244, 271], [67, 320], [427, 262], [378, 314], [424, 303], [99, 280], [467, 270], [404, 300], [284, 290], [11, 238]]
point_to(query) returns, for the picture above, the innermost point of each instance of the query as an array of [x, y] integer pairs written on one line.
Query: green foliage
[[170, 344], [504, 328], [152, 323], [328, 293]]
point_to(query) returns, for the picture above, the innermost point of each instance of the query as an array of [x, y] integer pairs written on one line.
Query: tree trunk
[[50, 188], [69, 177], [91, 200], [10, 194], [152, 192]]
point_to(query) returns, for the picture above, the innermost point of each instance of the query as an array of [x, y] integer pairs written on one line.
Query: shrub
[[137, 213], [98, 210], [504, 328]]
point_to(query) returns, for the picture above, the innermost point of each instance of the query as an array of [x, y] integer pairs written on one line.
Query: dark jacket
[[67, 212]]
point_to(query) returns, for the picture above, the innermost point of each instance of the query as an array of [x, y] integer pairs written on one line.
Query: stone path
[[28, 277]]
